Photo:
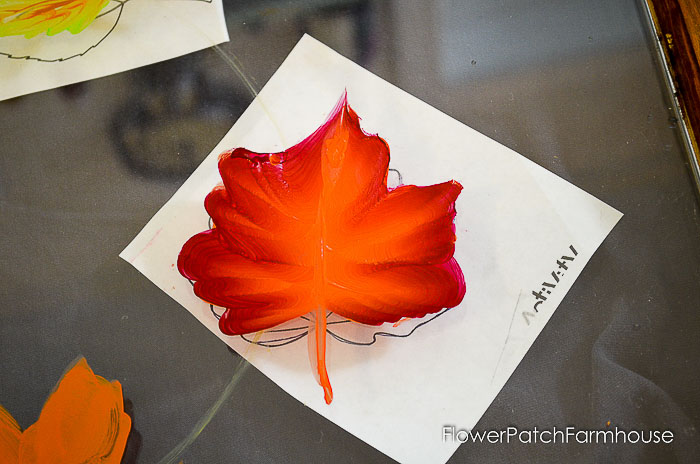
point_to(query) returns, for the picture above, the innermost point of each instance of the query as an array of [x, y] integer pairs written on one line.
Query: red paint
[[315, 228]]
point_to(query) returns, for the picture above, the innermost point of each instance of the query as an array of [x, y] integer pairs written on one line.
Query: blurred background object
[[677, 27]]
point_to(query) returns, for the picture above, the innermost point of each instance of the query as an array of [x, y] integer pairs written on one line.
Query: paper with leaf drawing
[[46, 43], [523, 237]]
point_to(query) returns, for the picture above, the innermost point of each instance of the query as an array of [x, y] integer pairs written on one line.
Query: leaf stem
[[320, 342]]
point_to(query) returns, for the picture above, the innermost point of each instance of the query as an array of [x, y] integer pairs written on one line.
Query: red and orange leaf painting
[[314, 229], [83, 421]]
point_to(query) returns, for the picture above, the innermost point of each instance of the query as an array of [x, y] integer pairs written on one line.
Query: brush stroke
[[314, 229], [10, 435], [83, 421]]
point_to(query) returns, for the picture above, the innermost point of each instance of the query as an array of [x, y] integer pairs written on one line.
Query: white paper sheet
[[125, 36], [514, 221]]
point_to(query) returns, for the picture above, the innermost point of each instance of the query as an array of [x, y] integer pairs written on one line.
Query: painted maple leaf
[[315, 229]]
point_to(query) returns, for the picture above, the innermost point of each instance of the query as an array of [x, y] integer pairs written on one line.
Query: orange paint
[[10, 434], [83, 421], [396, 324], [315, 228]]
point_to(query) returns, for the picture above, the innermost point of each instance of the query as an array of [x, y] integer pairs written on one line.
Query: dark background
[[574, 86]]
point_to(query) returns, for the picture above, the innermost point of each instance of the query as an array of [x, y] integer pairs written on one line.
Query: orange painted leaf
[[83, 421], [315, 229]]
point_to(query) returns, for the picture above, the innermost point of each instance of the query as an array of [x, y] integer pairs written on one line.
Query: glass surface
[[574, 86]]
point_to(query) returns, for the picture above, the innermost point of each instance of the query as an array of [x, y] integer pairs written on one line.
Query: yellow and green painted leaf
[[33, 17]]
